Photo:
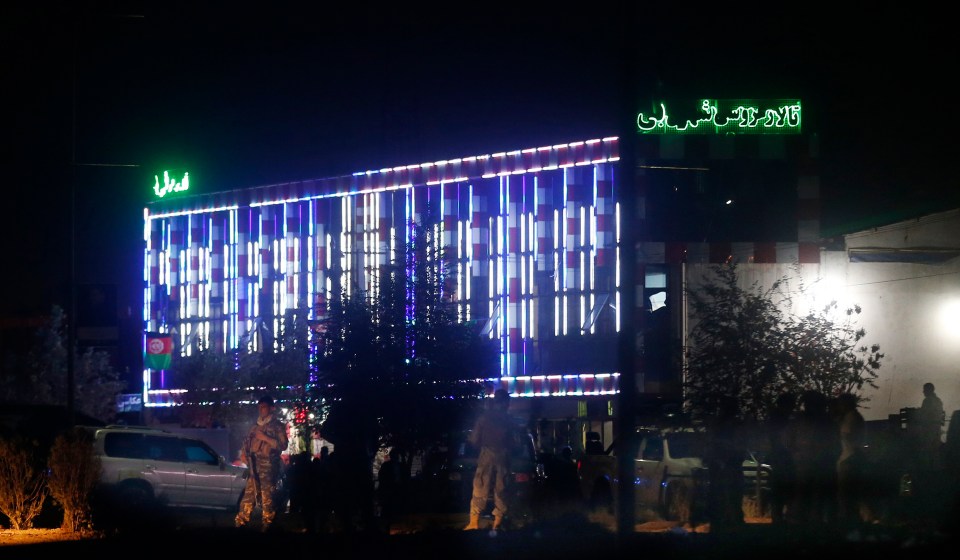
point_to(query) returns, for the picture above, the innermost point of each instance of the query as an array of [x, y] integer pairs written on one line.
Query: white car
[[670, 476], [143, 466]]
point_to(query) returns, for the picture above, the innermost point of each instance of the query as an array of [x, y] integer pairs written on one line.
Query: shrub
[[74, 473], [22, 490]]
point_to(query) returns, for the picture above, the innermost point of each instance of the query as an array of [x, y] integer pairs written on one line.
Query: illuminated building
[[536, 234]]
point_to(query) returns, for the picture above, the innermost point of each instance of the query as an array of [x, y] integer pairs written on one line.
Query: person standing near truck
[[929, 420], [724, 460], [492, 435]]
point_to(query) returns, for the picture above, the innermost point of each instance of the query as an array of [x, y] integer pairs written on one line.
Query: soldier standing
[[261, 450], [492, 434]]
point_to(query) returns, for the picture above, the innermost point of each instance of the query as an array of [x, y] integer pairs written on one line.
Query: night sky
[[285, 93]]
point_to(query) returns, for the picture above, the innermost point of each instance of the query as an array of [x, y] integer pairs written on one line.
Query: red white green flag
[[159, 351]]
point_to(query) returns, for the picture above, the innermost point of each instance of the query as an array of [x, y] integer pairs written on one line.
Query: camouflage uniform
[[263, 458], [492, 434]]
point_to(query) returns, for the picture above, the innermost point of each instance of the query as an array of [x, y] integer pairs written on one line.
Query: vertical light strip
[[581, 256], [618, 311], [557, 270], [461, 271]]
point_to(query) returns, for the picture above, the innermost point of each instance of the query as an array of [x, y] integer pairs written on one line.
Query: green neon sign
[[169, 185], [729, 116]]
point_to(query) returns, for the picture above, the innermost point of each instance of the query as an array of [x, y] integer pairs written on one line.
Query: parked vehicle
[[670, 476], [142, 467]]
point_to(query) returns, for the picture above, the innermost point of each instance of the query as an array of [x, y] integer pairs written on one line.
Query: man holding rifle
[[261, 450]]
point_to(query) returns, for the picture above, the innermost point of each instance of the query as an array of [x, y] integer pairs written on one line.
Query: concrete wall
[[905, 307], [907, 310]]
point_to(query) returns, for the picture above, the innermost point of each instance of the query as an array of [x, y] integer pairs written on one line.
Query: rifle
[[252, 465]]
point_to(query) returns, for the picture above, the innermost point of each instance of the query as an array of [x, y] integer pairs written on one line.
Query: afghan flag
[[159, 351]]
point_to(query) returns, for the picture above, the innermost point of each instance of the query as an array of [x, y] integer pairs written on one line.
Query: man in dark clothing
[[928, 463], [782, 473], [492, 434], [724, 459], [851, 462], [323, 482], [815, 443], [929, 420]]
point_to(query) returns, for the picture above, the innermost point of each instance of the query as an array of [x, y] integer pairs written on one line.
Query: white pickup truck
[[669, 478]]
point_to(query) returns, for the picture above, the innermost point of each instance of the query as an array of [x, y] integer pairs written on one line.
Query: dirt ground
[[34, 536], [10, 537]]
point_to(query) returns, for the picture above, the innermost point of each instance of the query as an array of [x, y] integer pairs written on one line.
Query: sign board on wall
[[725, 116], [171, 183]]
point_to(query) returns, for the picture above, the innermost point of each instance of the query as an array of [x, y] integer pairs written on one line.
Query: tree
[[828, 354], [44, 379], [747, 344], [222, 388], [401, 361]]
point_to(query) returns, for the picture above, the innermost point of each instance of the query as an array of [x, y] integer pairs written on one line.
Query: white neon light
[[164, 215]]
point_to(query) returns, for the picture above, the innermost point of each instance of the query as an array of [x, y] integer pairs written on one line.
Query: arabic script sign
[[170, 185], [728, 116]]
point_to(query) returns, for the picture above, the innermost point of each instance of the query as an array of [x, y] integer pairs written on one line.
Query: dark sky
[[245, 98]]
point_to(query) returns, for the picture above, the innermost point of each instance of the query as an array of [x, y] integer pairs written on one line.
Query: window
[[128, 446], [199, 453], [653, 450], [164, 449]]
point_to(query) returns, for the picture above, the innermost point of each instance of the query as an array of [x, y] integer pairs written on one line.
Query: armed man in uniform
[[261, 450]]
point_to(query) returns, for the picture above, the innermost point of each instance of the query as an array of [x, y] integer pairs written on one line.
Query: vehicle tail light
[[521, 477]]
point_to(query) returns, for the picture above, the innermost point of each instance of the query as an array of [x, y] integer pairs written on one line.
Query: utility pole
[[74, 165], [629, 236]]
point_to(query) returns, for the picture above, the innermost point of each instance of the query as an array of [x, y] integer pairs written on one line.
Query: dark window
[[653, 450], [687, 444], [161, 448], [118, 444], [199, 453]]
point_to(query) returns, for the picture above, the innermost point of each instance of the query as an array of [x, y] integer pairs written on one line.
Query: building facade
[[537, 238]]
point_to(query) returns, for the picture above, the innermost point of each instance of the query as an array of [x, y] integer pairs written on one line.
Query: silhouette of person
[[390, 487], [851, 462], [352, 429], [929, 420], [298, 475], [322, 485], [562, 478], [724, 458], [261, 448], [492, 434], [814, 443], [780, 459], [567, 477]]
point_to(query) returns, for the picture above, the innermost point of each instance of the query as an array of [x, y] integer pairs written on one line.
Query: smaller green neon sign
[[170, 186], [729, 116]]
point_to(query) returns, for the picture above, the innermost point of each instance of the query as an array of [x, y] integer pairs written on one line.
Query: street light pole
[[629, 238], [72, 313]]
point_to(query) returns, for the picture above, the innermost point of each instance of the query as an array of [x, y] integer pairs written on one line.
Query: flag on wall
[[159, 351]]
